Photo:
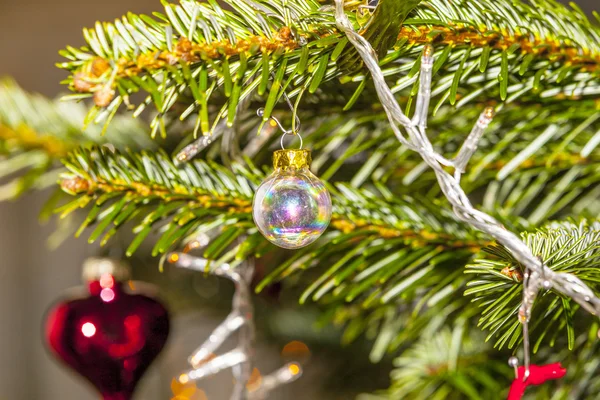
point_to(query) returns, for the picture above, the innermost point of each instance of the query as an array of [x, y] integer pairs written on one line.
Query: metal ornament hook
[[514, 363], [261, 112], [288, 133]]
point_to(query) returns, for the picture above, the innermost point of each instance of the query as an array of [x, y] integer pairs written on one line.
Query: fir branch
[[201, 56], [201, 47], [25, 138], [202, 195], [530, 30], [497, 283], [35, 133], [446, 365]]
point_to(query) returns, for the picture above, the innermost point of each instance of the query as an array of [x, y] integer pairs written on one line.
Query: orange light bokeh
[[296, 351]]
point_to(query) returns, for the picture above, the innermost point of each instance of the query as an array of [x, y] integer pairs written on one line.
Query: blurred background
[[32, 277]]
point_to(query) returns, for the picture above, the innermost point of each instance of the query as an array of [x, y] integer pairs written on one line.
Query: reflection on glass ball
[[292, 207]]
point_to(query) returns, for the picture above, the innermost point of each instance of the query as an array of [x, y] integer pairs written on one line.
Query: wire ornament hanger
[[294, 131]]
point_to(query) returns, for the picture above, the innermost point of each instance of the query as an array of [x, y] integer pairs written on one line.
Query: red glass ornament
[[110, 337], [537, 376]]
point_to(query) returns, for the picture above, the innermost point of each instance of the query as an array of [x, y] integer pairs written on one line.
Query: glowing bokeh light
[[294, 369], [107, 281], [296, 351], [107, 295], [255, 381], [88, 329]]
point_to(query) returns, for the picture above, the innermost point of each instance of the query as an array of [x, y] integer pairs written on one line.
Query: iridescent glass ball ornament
[[292, 207]]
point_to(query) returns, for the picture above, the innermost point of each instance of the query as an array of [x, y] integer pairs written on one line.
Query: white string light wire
[[537, 275], [241, 319]]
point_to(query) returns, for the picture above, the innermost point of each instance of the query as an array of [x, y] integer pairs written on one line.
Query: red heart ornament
[[110, 337]]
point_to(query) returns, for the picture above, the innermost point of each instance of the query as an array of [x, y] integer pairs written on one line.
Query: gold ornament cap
[[94, 268], [297, 158]]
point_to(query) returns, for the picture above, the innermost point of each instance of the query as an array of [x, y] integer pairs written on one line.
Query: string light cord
[[537, 275], [240, 320]]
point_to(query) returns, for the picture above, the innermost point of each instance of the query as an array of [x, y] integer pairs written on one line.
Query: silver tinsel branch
[[537, 275], [241, 320]]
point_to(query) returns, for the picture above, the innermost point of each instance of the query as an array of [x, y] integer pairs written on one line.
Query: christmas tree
[[457, 143]]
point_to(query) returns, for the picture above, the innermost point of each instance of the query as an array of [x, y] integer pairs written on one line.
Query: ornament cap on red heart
[[110, 337]]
